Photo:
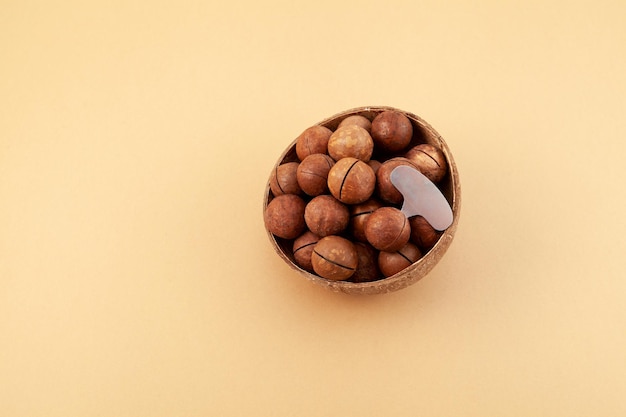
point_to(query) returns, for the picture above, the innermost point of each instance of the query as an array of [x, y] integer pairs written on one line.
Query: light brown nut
[[351, 181], [334, 258], [351, 141]]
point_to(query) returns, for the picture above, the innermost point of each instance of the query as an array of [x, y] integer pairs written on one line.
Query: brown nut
[[325, 215], [358, 120], [284, 216], [351, 141], [392, 131], [312, 173], [367, 269], [387, 229], [422, 233], [386, 190], [313, 140], [303, 248], [334, 258], [283, 179], [390, 263], [358, 217], [429, 160], [351, 181], [374, 164]]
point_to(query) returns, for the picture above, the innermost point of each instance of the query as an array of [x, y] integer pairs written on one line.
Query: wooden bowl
[[450, 187]]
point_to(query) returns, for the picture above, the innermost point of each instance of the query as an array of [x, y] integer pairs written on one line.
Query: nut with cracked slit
[[351, 181], [334, 258], [312, 173], [429, 160], [390, 263], [303, 249], [284, 179], [358, 217], [387, 229]]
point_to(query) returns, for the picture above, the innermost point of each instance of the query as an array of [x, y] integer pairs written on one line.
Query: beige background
[[136, 278]]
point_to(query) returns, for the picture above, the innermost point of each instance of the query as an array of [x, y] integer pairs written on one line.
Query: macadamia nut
[[334, 258], [313, 140], [429, 160], [351, 141], [351, 181], [390, 263], [392, 131], [312, 173], [325, 215], [284, 216], [284, 180], [387, 229]]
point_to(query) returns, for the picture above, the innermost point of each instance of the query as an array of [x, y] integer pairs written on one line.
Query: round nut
[[422, 233], [324, 215], [387, 229], [334, 258], [358, 217], [358, 120], [351, 181], [351, 141], [312, 173], [386, 190], [313, 140], [390, 263], [430, 161], [284, 216], [283, 179], [374, 164], [303, 248], [367, 269], [392, 131]]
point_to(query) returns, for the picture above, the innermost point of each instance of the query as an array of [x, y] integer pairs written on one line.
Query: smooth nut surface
[[358, 120], [429, 160], [303, 249], [284, 179], [422, 233], [334, 258], [367, 268], [390, 263], [359, 214], [351, 141], [374, 164], [284, 216], [312, 173], [387, 229], [392, 131], [386, 190], [351, 181], [313, 140], [325, 215]]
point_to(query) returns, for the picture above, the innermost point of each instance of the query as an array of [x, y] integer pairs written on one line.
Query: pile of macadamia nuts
[[334, 206]]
